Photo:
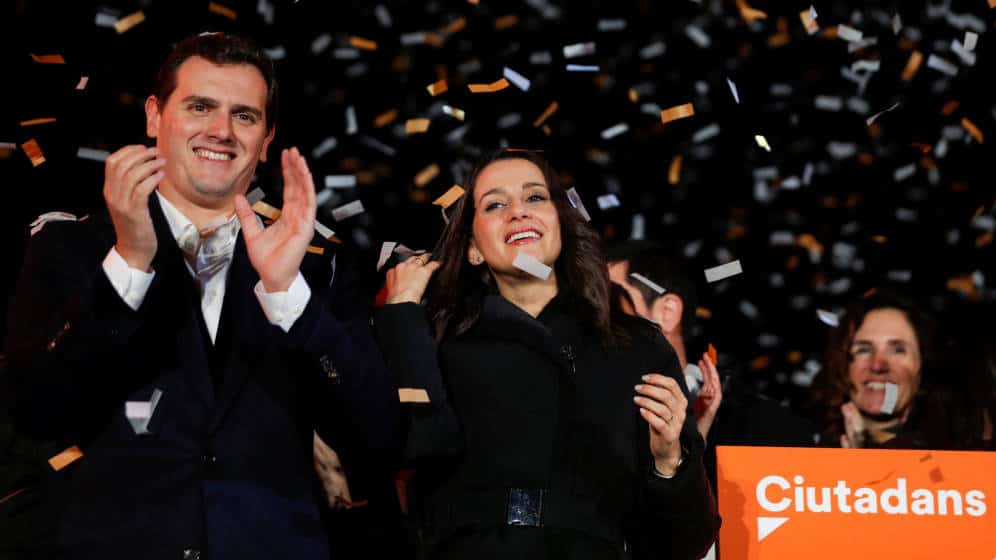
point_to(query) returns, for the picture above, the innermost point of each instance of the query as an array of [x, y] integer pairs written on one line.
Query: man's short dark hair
[[671, 272], [222, 49]]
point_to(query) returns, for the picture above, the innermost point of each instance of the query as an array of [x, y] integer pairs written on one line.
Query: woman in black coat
[[555, 427]]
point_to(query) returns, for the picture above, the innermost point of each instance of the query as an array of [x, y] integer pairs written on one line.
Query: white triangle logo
[[767, 525]]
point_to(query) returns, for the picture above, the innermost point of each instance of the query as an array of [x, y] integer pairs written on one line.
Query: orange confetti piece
[[316, 250], [992, 3], [546, 114], [413, 395], [34, 152], [476, 2], [879, 239], [633, 96], [456, 25], [808, 242], [433, 39], [33, 122], [488, 88], [713, 354], [423, 177], [449, 197], [808, 21], [505, 22], [48, 59], [794, 357], [749, 14], [949, 107], [912, 66], [674, 170], [437, 88], [385, 118], [984, 240], [779, 40], [264, 209], [129, 21], [546, 129], [703, 313], [972, 129], [416, 126], [362, 44], [760, 363], [963, 285], [65, 458], [677, 112], [225, 11]]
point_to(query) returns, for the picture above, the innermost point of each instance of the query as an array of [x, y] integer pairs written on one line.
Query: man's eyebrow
[[200, 99]]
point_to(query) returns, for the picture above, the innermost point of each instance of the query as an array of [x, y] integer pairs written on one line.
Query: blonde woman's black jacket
[[540, 408]]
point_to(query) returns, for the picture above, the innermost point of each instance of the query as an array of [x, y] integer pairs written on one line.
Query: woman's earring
[[476, 258]]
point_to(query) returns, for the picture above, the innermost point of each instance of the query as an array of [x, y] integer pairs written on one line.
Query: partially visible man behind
[[186, 349]]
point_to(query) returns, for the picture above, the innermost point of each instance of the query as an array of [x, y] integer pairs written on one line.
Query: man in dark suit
[[186, 349]]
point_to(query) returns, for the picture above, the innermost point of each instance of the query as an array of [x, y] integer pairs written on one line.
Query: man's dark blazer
[[226, 471]]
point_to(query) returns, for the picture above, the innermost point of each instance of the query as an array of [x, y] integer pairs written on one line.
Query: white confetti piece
[[540, 58], [581, 68], [340, 181], [637, 227], [348, 210], [609, 25], [717, 273], [383, 16], [748, 309], [856, 46], [897, 24], [613, 131], [891, 396], [47, 217], [323, 230], [653, 50], [875, 117], [575, 199], [608, 201], [965, 21], [518, 80], [648, 283], [346, 53], [866, 65], [579, 49], [828, 318], [8, 145], [324, 147], [904, 172], [858, 105], [842, 150], [828, 103], [105, 19], [781, 239], [138, 409], [81, 85], [966, 56], [733, 90], [276, 53], [706, 133], [971, 40], [351, 126], [386, 249], [255, 196], [762, 142], [528, 263], [92, 154], [321, 43], [848, 33], [943, 66], [698, 36], [414, 38]]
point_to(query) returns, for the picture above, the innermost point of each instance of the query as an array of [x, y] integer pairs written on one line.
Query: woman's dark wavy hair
[[832, 386], [458, 289]]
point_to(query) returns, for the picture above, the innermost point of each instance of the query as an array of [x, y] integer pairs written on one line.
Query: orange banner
[[780, 502]]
